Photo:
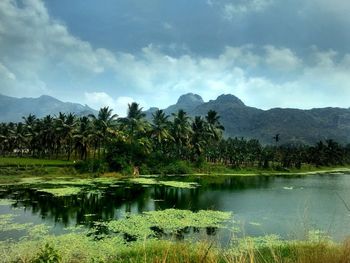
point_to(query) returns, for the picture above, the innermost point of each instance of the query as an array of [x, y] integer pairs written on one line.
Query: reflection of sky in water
[[288, 207]]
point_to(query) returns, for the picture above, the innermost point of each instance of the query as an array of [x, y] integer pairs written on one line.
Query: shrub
[[176, 167], [47, 254]]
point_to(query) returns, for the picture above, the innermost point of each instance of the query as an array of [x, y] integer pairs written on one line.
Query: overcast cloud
[[268, 53]]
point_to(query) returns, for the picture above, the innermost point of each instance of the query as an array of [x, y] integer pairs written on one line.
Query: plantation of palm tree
[[166, 144], [42, 158]]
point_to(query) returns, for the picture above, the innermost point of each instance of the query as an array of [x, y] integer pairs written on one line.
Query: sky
[[269, 53]]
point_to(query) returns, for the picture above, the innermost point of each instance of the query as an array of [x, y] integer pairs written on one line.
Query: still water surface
[[286, 206]]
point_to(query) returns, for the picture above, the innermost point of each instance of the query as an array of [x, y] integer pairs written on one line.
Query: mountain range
[[239, 120], [13, 109], [293, 125]]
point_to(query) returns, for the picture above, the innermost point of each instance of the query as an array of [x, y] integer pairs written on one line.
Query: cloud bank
[[39, 55]]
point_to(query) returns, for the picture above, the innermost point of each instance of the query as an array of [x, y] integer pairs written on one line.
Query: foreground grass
[[78, 248]]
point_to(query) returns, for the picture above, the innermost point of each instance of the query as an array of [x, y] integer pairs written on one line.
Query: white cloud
[[39, 49], [281, 58], [98, 100], [39, 55], [323, 82], [233, 10]]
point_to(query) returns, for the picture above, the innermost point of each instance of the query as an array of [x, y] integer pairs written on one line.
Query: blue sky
[[269, 53]]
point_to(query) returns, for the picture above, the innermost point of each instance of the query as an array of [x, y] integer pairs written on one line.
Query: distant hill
[[13, 109], [293, 125]]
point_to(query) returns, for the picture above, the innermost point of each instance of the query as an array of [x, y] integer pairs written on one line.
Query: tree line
[[133, 141]]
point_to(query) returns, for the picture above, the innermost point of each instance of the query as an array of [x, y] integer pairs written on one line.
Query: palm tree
[[7, 138], [160, 129], [66, 128], [82, 137], [214, 125], [31, 134], [134, 123], [19, 138], [104, 121], [47, 134], [199, 136], [181, 131]]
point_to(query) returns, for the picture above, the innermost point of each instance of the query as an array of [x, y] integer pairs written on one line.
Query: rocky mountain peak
[[229, 99], [190, 99]]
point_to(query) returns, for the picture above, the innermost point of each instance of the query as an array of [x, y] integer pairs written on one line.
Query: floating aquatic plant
[[152, 181], [7, 224], [6, 202], [167, 221], [66, 191]]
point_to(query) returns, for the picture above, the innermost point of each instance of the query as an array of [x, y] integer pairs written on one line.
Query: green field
[[13, 161]]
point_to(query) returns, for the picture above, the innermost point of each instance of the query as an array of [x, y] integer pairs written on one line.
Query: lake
[[288, 206]]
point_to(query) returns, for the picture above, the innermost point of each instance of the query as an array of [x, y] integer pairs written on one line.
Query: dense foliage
[[131, 143]]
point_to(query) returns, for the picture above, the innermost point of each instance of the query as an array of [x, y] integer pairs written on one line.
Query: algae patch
[[6, 202], [169, 221], [152, 181], [7, 224], [66, 191]]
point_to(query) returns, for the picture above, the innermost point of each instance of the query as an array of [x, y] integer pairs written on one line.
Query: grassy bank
[[21, 167], [78, 248]]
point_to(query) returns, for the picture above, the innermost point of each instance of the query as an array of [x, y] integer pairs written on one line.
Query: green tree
[[160, 132]]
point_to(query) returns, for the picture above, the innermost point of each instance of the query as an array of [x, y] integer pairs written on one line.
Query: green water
[[286, 206]]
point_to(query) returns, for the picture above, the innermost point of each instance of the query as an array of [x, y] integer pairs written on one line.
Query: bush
[[47, 255], [123, 156], [177, 167]]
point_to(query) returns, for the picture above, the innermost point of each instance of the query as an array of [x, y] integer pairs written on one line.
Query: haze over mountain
[[293, 125], [13, 109]]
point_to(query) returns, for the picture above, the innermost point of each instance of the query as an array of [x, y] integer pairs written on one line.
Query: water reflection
[[266, 204]]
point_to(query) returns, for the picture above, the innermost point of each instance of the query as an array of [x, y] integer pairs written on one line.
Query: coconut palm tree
[[214, 126], [102, 124], [160, 132], [181, 132], [82, 137], [30, 122], [66, 128], [200, 135], [47, 134], [134, 124]]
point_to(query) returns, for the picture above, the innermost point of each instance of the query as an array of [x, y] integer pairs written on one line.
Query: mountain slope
[[293, 125], [13, 109]]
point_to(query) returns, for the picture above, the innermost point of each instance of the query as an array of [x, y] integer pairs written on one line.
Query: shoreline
[[273, 173]]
